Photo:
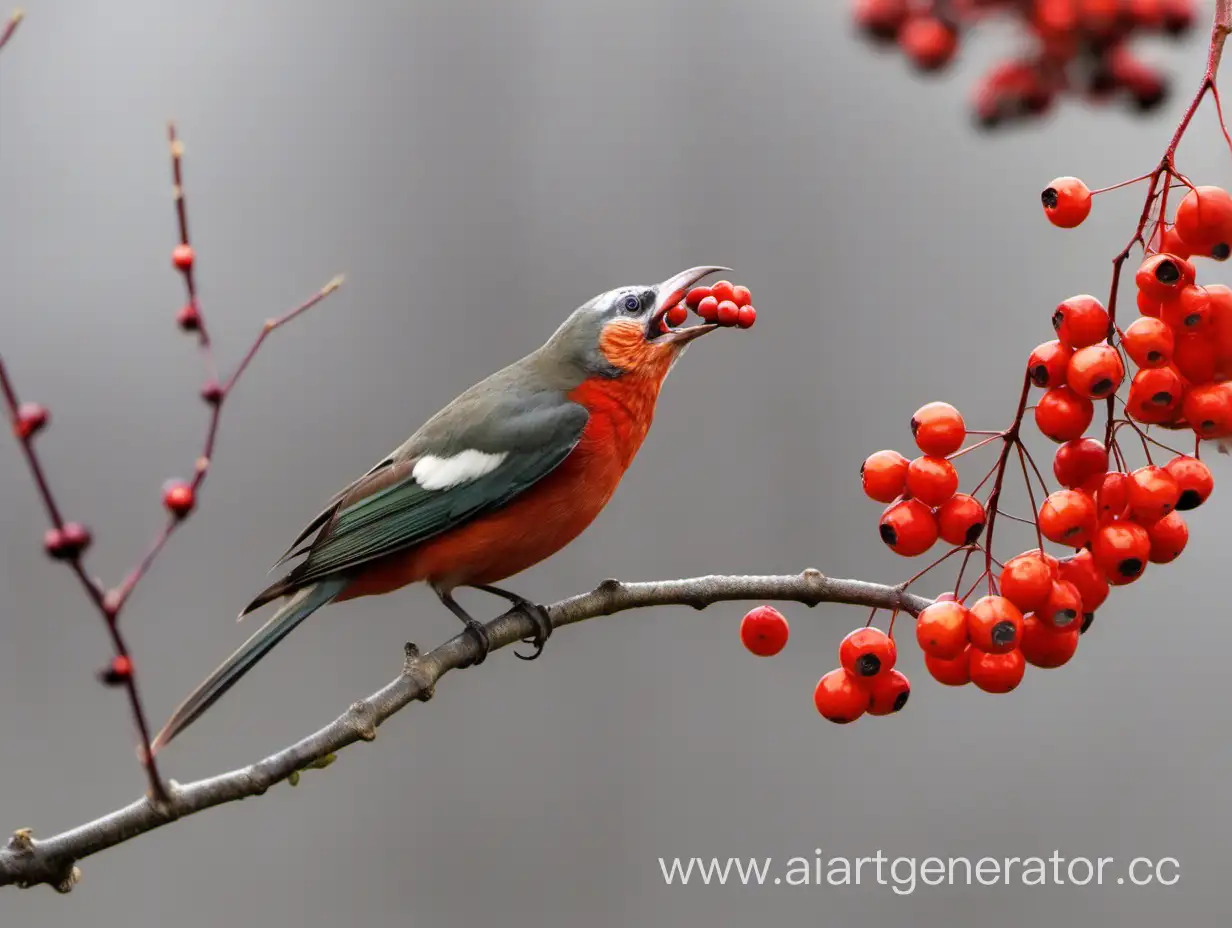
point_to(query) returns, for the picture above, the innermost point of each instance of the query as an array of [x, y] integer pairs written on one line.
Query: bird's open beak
[[668, 294]]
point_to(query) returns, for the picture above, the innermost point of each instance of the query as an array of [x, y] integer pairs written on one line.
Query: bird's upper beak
[[668, 294]]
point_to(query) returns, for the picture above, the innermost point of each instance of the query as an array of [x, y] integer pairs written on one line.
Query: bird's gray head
[[624, 332]]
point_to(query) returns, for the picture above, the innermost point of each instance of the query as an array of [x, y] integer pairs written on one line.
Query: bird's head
[[623, 332]]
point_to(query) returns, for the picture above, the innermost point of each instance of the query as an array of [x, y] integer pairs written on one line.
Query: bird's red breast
[[548, 515]]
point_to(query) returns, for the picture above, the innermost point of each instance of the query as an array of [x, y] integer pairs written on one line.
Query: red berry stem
[[10, 27], [1011, 439]]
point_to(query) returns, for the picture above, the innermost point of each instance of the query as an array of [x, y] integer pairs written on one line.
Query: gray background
[[478, 169]]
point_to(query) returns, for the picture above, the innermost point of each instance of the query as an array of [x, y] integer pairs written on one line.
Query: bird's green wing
[[472, 472]]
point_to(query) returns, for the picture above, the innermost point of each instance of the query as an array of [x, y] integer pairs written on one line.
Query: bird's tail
[[298, 607]]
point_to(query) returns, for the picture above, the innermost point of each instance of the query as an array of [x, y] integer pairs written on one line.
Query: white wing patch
[[433, 473]]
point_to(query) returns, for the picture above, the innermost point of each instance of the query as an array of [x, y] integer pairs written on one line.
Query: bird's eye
[[632, 304]]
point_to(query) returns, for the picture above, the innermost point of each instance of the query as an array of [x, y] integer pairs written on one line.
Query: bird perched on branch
[[500, 479]]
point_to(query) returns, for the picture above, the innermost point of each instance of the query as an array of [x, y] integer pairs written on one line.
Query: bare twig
[[25, 861], [7, 30]]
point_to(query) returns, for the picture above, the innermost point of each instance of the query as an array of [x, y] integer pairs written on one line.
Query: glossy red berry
[[708, 308], [1063, 415], [961, 520], [997, 673], [884, 476], [1208, 410], [1155, 395], [722, 290], [677, 315], [881, 19], [994, 625], [727, 313], [867, 652], [1112, 497], [938, 429], [695, 296], [1194, 479], [1048, 647], [1049, 363], [953, 672], [928, 41], [741, 296], [1067, 202], [746, 317], [119, 671], [1068, 517], [1204, 220], [840, 697], [1194, 358], [1085, 574], [1153, 493], [1081, 321], [764, 631], [1063, 608], [1149, 342], [1095, 371], [1148, 305], [1079, 462], [182, 257], [908, 527], [179, 498], [1122, 549], [1026, 580], [941, 629], [1161, 277], [888, 693], [31, 419], [1169, 536], [931, 480], [67, 543], [1189, 313]]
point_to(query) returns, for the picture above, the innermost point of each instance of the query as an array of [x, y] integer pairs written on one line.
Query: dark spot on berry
[[1162, 398], [1130, 567], [1208, 425], [888, 535], [1004, 633], [868, 665], [1102, 387], [901, 700], [915, 426], [1154, 356], [1039, 375], [1193, 319], [1087, 619], [1063, 617], [1221, 252], [1049, 198], [973, 533], [1057, 318], [1189, 499], [1166, 272]]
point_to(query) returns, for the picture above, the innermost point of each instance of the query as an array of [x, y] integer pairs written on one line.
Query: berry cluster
[[722, 303], [1079, 47]]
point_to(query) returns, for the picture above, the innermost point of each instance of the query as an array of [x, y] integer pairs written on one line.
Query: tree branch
[[25, 861]]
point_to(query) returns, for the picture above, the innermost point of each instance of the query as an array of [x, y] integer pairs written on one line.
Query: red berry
[[741, 296], [188, 318], [694, 297], [931, 480], [1080, 461], [1208, 409], [67, 543], [728, 313], [1122, 550], [118, 671], [839, 697], [1153, 493], [1067, 202], [1095, 371], [1169, 536], [1081, 321], [676, 315], [1204, 220], [884, 476], [997, 673], [938, 429], [1194, 358], [908, 527], [1112, 497], [746, 317], [1189, 313], [179, 498], [1155, 395], [1049, 363], [928, 41], [881, 19], [1048, 647], [708, 308], [764, 631], [1068, 517], [1148, 305], [888, 693], [955, 672], [995, 625], [941, 629], [1064, 606], [1161, 277], [1149, 342], [1081, 570], [961, 520], [182, 257], [722, 290], [1026, 580], [1194, 479], [867, 652], [31, 419], [1063, 415]]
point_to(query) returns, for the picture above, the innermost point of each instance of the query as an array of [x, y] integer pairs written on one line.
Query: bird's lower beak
[[671, 292]]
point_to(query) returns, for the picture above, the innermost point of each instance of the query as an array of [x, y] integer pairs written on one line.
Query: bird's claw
[[477, 631], [543, 629]]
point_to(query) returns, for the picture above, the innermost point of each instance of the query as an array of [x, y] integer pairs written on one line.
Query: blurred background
[[479, 169]]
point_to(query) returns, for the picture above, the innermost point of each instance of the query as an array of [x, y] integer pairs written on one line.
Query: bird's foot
[[543, 628], [480, 634]]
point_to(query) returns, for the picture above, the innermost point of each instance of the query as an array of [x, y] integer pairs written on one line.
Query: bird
[[503, 477]]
